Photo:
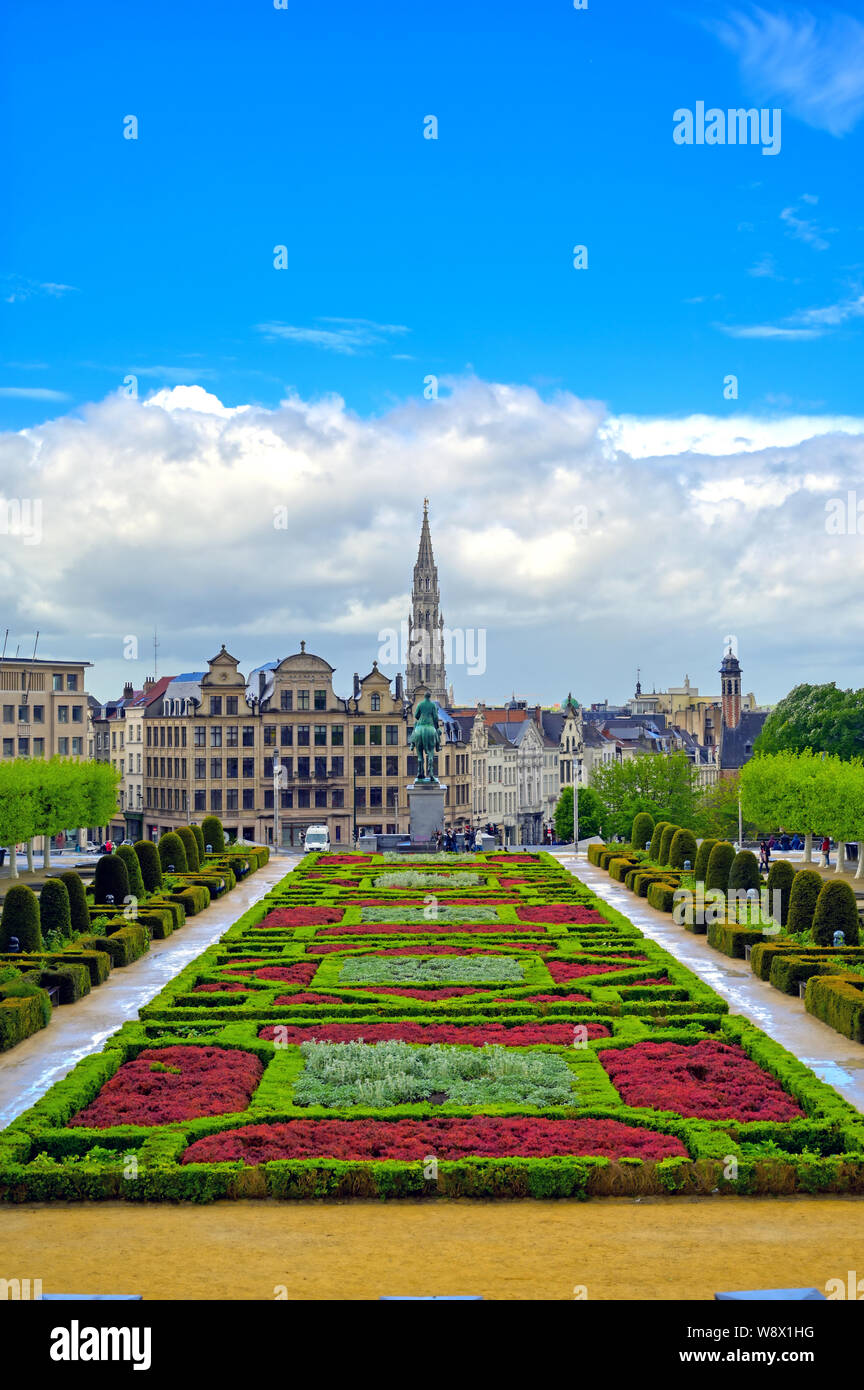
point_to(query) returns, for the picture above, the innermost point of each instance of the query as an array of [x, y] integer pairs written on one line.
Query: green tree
[[803, 896], [744, 873], [213, 833], [54, 915], [20, 919], [590, 814], [133, 870], [719, 866], [666, 843], [190, 844], [151, 867], [78, 914], [661, 784], [657, 840], [682, 847], [781, 876], [700, 867], [172, 855], [110, 879], [817, 717], [643, 829], [199, 840], [836, 910]]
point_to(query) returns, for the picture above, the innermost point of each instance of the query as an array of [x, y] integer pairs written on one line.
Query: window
[[392, 796], [268, 767], [231, 767], [321, 798], [302, 767], [286, 735], [288, 764], [38, 748], [63, 715], [337, 767], [183, 738], [200, 769], [216, 768], [320, 699], [268, 799], [248, 767], [161, 735], [216, 737], [231, 736], [78, 715], [338, 797], [8, 714], [230, 704], [374, 796], [375, 766], [337, 735], [161, 767], [78, 747], [62, 747], [287, 801], [302, 735], [269, 735], [215, 800], [215, 704], [71, 682], [375, 733], [302, 699], [320, 769], [56, 682], [286, 701], [200, 735], [199, 800], [359, 767], [248, 735], [8, 748], [392, 766], [231, 799], [23, 748], [320, 735], [392, 734], [303, 797], [376, 703], [248, 798], [359, 735], [360, 798]]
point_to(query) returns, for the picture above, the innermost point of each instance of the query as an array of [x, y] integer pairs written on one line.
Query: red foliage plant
[[431, 928], [305, 997], [703, 1080], [230, 987], [561, 912], [210, 1081], [475, 1035], [302, 916], [445, 1136], [564, 970]]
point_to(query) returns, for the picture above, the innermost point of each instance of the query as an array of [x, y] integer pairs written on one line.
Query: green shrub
[[656, 838], [111, 879], [703, 853], [661, 895], [666, 843], [806, 887], [780, 878], [836, 910], [838, 1000], [744, 872], [124, 945], [20, 918], [72, 980], [133, 871], [199, 840], [620, 866], [151, 868], [172, 855], [642, 830], [214, 835], [190, 845], [719, 864], [22, 1016], [731, 939], [78, 915], [682, 847], [54, 915]]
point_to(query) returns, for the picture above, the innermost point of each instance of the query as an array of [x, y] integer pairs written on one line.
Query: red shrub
[[299, 974], [431, 994], [211, 1081], [430, 929], [555, 998], [304, 997], [476, 1034], [227, 988], [708, 1079], [564, 970], [445, 1136], [561, 912], [302, 916]]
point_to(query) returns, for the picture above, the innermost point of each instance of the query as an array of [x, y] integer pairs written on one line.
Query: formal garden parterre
[[371, 1029]]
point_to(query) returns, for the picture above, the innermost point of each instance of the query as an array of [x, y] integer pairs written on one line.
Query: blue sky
[[598, 501], [303, 127]]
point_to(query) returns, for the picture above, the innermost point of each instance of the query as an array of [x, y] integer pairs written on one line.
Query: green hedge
[[78, 914], [20, 919], [213, 834], [19, 1018], [190, 845], [133, 870], [731, 939], [151, 867], [719, 866], [803, 896], [662, 896], [781, 876], [682, 848], [657, 839], [111, 879], [172, 854], [124, 945], [54, 911], [744, 873], [666, 839], [700, 867], [642, 830], [836, 910], [838, 1000]]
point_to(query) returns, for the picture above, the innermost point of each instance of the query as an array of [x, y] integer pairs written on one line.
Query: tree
[[744, 873], [719, 866], [683, 847], [660, 784], [199, 840], [151, 868], [172, 855], [700, 867], [110, 880], [214, 835], [666, 843], [590, 813], [657, 840], [804, 894], [781, 876], [816, 717], [20, 919], [78, 913], [643, 829], [836, 910], [133, 870], [54, 914], [42, 796], [190, 844], [717, 811]]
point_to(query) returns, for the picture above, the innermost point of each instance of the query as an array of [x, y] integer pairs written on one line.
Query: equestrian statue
[[426, 739]]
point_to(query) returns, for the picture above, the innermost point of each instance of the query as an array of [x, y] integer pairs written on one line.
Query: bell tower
[[730, 689]]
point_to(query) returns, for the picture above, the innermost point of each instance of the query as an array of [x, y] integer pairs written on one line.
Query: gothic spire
[[425, 646]]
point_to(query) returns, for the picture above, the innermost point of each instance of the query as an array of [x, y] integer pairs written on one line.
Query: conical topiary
[[683, 847], [20, 919], [719, 865], [214, 835], [78, 914], [133, 869], [111, 879], [700, 868], [666, 843], [641, 830], [172, 855], [744, 873], [151, 867], [836, 910], [190, 844], [656, 839], [781, 876], [806, 887], [54, 914], [199, 840]]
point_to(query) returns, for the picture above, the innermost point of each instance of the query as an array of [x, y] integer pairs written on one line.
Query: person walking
[[826, 850], [764, 856]]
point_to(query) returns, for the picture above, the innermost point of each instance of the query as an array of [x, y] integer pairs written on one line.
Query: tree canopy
[[590, 814], [818, 717], [664, 786], [41, 796], [806, 792]]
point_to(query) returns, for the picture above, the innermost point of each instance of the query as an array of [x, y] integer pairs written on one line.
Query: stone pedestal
[[426, 811]]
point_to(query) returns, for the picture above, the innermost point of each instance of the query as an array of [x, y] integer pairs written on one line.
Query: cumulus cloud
[[584, 544]]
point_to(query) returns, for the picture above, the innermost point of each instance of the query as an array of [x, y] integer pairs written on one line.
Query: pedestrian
[[764, 856], [826, 850]]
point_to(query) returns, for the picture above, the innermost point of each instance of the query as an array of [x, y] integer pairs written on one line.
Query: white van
[[317, 839]]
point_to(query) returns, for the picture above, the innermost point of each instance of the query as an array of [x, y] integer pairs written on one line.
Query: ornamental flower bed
[[305, 997], [302, 916], [425, 928], [564, 970], [213, 988], [706, 1080], [447, 1137], [565, 913], [403, 1030], [167, 1084], [458, 970]]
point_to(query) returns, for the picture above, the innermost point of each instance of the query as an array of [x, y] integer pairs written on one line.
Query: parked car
[[317, 837]]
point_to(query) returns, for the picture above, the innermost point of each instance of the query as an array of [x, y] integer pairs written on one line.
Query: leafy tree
[[172, 853], [20, 919], [111, 879], [54, 915], [717, 811], [816, 717], [190, 844], [590, 814], [662, 785], [151, 867], [78, 914], [643, 829]]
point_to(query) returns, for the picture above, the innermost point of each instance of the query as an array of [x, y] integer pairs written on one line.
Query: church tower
[[730, 690], [425, 625]]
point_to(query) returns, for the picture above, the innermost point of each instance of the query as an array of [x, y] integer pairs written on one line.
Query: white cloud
[[347, 336], [163, 513], [804, 230], [813, 67], [803, 324], [33, 393], [18, 288]]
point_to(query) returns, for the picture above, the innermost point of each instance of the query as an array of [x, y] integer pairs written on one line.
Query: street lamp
[[278, 779]]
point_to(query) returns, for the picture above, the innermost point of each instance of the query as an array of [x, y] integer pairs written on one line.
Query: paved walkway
[[833, 1058], [28, 1070]]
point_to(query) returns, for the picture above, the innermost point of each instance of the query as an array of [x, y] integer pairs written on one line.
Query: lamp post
[[278, 779]]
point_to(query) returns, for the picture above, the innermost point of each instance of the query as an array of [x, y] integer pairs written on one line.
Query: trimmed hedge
[[836, 910], [806, 887], [172, 855], [125, 945], [642, 830], [666, 843], [21, 1017], [781, 876], [110, 878], [661, 895], [133, 870], [719, 865], [744, 873], [78, 915], [700, 867], [190, 845], [682, 847], [54, 913], [151, 868], [656, 839], [20, 919], [731, 938], [213, 834], [838, 1000]]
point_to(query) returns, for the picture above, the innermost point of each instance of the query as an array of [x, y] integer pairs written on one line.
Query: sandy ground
[[617, 1248]]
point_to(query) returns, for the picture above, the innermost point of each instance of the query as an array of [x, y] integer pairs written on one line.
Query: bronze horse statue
[[426, 739]]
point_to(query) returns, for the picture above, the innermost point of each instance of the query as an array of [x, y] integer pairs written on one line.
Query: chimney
[[148, 685], [400, 692], [128, 691]]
